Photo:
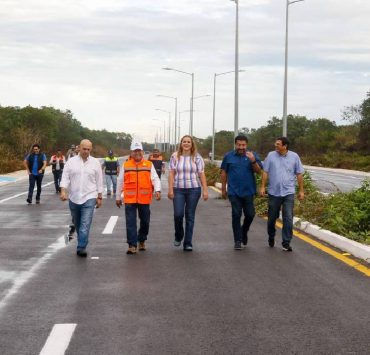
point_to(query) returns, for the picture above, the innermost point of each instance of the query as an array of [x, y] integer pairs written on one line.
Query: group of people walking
[[139, 180]]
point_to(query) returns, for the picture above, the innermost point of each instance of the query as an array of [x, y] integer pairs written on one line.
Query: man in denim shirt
[[281, 168], [237, 170]]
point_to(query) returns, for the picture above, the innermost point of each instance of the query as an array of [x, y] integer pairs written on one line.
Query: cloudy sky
[[103, 59]]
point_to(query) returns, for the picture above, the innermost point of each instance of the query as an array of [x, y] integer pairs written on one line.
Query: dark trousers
[[185, 201], [133, 235], [275, 203], [38, 180], [57, 178], [241, 205]]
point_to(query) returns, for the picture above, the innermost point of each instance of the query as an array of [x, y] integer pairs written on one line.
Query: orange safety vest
[[137, 183]]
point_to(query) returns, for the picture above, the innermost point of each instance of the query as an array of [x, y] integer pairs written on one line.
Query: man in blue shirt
[[281, 168], [35, 164], [237, 170]]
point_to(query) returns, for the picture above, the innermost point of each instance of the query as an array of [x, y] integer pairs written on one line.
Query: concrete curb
[[358, 250], [344, 171]]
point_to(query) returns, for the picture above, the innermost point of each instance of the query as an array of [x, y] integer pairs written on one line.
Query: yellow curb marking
[[342, 257], [353, 263]]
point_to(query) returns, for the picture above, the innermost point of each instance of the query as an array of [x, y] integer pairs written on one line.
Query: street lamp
[[169, 127], [236, 105], [285, 125], [214, 109], [164, 132], [174, 98], [192, 95]]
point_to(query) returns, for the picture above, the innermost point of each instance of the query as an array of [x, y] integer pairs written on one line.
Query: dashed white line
[[110, 225], [59, 339]]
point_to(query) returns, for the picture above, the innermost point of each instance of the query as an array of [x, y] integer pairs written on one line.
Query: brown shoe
[[142, 246], [131, 250]]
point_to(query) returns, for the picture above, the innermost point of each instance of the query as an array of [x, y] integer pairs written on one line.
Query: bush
[[212, 172]]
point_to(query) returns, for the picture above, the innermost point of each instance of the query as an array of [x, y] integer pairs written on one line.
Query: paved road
[[164, 301]]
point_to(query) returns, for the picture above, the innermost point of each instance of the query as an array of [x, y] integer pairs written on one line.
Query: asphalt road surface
[[334, 181], [214, 300]]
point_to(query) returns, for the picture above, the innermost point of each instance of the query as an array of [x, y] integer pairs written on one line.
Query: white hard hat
[[136, 146]]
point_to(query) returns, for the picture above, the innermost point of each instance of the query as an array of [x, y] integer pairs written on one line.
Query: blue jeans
[[38, 180], [82, 216], [57, 178], [275, 203], [109, 179], [185, 202], [238, 205], [133, 236]]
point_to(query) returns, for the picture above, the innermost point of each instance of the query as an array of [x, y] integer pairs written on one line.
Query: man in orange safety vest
[[136, 182]]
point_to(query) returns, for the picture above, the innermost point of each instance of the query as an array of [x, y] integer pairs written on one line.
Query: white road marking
[[110, 225], [23, 193], [95, 258], [23, 277], [59, 339]]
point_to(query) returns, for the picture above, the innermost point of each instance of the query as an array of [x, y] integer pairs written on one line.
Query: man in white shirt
[[83, 177], [137, 180]]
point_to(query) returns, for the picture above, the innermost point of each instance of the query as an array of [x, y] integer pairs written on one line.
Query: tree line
[[319, 141]]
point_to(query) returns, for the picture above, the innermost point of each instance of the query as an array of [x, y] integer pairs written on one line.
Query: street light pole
[[236, 104], [164, 134], [285, 105], [169, 127], [214, 110], [192, 95], [174, 98]]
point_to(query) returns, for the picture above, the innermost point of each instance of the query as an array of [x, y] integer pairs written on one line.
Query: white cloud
[[103, 60]]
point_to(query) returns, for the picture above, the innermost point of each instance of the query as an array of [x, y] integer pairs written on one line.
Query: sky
[[103, 60]]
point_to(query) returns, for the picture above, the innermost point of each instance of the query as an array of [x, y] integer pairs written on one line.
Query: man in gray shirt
[[281, 167]]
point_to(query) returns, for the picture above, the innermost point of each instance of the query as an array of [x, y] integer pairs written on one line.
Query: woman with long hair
[[185, 183]]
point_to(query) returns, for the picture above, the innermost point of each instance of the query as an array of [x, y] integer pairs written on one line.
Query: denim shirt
[[240, 174], [282, 171]]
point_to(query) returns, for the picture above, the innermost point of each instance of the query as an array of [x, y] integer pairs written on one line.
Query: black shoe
[[188, 248], [287, 247], [238, 246], [82, 253], [271, 242], [37, 201], [29, 201], [72, 229], [245, 239]]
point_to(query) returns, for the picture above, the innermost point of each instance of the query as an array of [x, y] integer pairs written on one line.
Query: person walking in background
[[71, 152], [238, 170], [83, 177], [57, 162], [157, 160], [35, 164], [186, 177], [281, 168], [111, 168], [137, 181]]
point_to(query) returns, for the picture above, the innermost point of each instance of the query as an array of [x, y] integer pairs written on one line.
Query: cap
[[73, 146], [110, 152], [136, 146]]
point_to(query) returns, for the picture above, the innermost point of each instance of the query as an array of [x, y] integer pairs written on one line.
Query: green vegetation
[[347, 214], [319, 142], [52, 129]]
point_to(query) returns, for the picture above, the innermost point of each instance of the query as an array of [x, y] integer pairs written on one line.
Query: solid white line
[[110, 225], [59, 339], [23, 277], [23, 193]]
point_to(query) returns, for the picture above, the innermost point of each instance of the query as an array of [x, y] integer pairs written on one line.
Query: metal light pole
[[285, 105], [174, 98], [192, 95], [236, 104], [214, 109], [164, 133], [169, 127]]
